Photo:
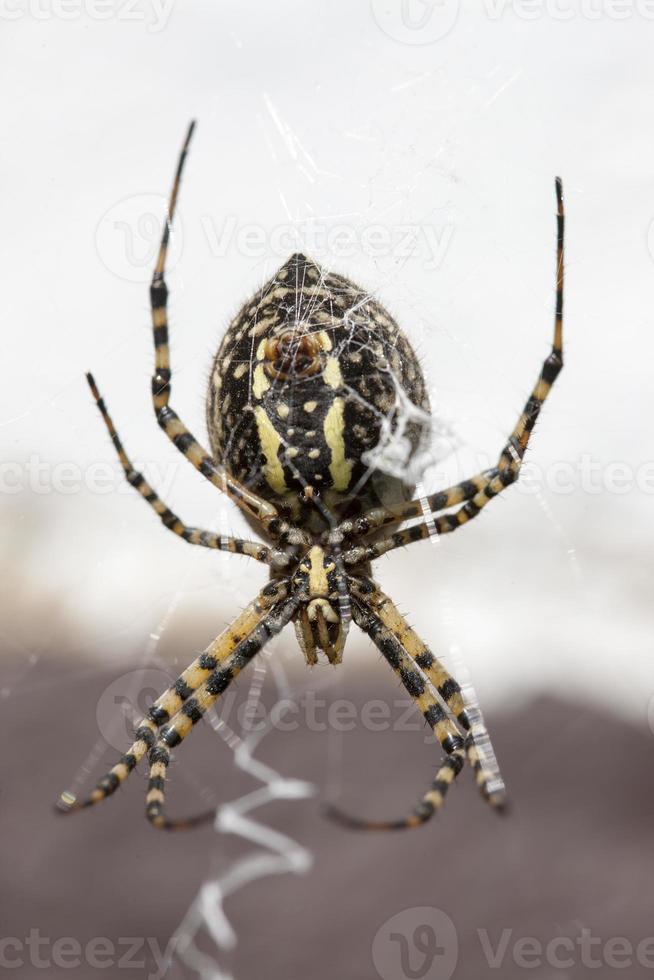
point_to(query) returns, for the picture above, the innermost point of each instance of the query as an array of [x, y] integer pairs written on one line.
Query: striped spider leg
[[252, 504], [194, 709], [225, 656], [438, 697], [479, 490], [194, 535]]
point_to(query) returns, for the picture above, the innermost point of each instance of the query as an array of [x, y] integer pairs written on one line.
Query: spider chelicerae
[[304, 377]]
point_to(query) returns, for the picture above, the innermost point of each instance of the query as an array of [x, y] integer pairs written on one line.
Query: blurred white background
[[411, 146]]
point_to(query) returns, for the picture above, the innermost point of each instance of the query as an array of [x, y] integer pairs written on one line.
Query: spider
[[302, 378]]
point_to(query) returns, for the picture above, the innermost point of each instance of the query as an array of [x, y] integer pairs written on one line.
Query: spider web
[[274, 853], [395, 456]]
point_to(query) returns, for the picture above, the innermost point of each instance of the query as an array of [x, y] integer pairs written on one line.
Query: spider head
[[318, 622]]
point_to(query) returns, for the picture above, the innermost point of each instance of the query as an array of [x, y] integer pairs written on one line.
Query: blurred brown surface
[[574, 853]]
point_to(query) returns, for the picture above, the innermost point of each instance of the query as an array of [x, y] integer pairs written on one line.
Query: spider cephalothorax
[[301, 387], [318, 622]]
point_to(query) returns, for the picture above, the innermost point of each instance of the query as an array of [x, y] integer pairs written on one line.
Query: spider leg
[[404, 665], [389, 616], [195, 708], [477, 491], [449, 690], [194, 535], [437, 526], [171, 701], [481, 758], [252, 504]]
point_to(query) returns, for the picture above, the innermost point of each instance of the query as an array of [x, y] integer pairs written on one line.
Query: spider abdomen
[[303, 383]]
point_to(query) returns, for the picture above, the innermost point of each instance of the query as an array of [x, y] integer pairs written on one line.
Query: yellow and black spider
[[305, 376]]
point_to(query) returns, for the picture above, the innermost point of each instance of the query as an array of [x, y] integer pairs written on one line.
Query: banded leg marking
[[171, 701], [389, 616], [483, 761], [476, 492], [194, 535], [446, 732], [145, 737], [431, 802], [380, 517], [168, 419], [514, 451], [489, 782], [443, 524], [218, 651], [193, 710], [491, 788]]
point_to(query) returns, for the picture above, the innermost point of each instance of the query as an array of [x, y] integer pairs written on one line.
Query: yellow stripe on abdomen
[[340, 467], [270, 444]]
